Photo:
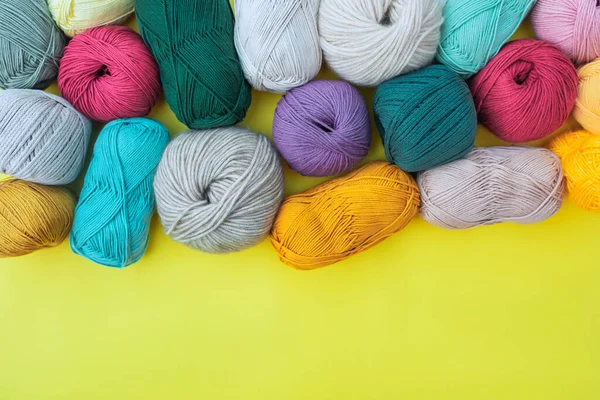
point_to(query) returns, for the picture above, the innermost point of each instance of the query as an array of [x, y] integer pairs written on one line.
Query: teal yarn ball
[[112, 217], [31, 45], [474, 31], [192, 41], [425, 118]]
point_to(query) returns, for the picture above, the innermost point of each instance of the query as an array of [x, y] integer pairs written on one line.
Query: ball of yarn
[[193, 44], [571, 25], [33, 217], [425, 118], [493, 185], [76, 16], [31, 45], [322, 128], [526, 92], [587, 107], [112, 218], [43, 138], [367, 42], [219, 190], [580, 156], [474, 31], [108, 73], [278, 42], [344, 216]]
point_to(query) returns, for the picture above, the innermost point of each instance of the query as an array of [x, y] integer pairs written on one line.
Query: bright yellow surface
[[502, 312]]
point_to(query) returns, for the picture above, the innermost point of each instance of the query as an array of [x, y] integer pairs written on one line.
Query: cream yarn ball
[[278, 42], [77, 16], [369, 41]]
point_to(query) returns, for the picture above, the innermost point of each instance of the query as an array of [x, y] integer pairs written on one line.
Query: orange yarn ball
[[344, 216], [580, 156]]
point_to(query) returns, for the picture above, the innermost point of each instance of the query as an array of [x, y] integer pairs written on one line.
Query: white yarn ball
[[367, 42], [278, 42]]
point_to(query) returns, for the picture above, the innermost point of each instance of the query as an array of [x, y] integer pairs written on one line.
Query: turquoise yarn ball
[[425, 118], [112, 218], [474, 31]]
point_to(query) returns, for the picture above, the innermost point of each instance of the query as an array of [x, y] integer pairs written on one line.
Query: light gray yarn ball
[[43, 139], [219, 190]]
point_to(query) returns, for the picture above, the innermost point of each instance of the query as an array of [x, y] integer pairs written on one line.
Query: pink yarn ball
[[571, 25], [108, 73]]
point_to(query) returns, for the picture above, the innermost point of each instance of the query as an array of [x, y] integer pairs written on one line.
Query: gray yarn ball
[[219, 190], [43, 138], [31, 45]]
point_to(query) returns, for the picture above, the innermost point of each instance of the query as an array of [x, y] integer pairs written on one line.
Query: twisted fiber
[[77, 16], [587, 107]]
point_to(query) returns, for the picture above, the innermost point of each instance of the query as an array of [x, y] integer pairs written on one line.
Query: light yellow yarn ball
[[587, 108], [77, 16]]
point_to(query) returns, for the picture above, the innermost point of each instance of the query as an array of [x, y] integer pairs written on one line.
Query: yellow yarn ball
[[587, 108], [76, 16], [580, 155]]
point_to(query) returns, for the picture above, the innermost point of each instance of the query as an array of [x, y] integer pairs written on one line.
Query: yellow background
[[502, 312]]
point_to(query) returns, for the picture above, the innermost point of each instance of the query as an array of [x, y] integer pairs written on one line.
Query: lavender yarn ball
[[322, 128]]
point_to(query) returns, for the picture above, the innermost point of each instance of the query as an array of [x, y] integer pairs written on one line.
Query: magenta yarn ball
[[322, 128], [108, 73]]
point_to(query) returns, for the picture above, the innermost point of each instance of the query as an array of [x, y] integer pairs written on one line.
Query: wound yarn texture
[[493, 185], [192, 41], [43, 139], [112, 218], [587, 107], [77, 16], [425, 118], [278, 42], [322, 128]]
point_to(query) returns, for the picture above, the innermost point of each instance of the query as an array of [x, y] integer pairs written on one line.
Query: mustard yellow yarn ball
[[587, 108], [77, 16]]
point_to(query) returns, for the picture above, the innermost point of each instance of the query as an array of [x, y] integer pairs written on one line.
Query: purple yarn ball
[[322, 128]]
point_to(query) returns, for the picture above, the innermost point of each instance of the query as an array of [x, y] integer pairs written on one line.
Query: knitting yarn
[[322, 128], [493, 185], [33, 217], [571, 25], [425, 118], [580, 156], [369, 41], [278, 42], [526, 92], [219, 190], [77, 16], [344, 216], [192, 41], [474, 31], [587, 107], [108, 73], [43, 138], [112, 218], [30, 45]]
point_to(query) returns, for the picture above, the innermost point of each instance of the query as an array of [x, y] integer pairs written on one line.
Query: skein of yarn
[[493, 185], [108, 73], [580, 155], [44, 139], [425, 118], [192, 41], [278, 42], [369, 41], [112, 218], [587, 107], [526, 92], [322, 128], [33, 217], [31, 45], [77, 16], [344, 216], [474, 31], [219, 190], [571, 25]]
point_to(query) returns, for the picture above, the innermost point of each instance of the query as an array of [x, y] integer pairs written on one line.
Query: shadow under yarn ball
[[587, 107], [526, 92], [192, 41], [30, 45], [322, 128], [108, 73], [219, 190], [77, 16], [425, 118], [43, 139]]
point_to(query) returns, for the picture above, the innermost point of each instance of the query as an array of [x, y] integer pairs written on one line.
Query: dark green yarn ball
[[425, 118], [192, 41]]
